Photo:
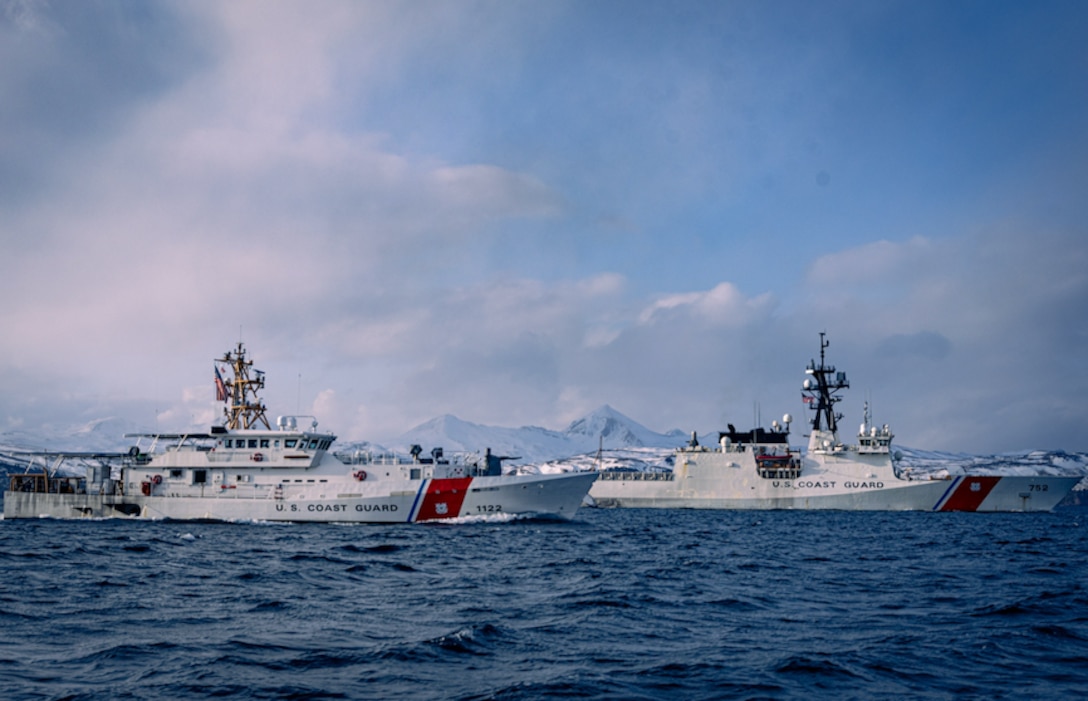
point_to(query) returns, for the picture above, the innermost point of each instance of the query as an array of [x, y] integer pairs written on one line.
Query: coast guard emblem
[[441, 509]]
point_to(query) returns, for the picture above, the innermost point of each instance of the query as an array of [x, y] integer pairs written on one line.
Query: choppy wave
[[617, 604]]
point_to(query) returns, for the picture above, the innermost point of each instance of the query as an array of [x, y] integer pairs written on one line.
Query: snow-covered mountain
[[624, 444], [106, 435], [617, 430], [101, 435], [1028, 462], [532, 444]]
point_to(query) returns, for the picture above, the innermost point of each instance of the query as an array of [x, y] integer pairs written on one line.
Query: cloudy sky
[[515, 212]]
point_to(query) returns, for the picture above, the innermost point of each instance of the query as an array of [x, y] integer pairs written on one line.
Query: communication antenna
[[245, 408]]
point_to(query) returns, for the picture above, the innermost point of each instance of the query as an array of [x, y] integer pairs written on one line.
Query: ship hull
[[556, 495], [830, 490]]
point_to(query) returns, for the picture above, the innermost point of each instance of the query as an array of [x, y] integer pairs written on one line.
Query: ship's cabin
[[773, 441], [874, 440], [300, 442]]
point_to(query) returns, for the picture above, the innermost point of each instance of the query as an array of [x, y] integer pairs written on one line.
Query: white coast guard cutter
[[247, 470], [758, 470]]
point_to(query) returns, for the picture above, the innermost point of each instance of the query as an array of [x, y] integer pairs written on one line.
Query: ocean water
[[617, 604]]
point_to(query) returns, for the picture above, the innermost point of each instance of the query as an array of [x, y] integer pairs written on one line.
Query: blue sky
[[515, 212]]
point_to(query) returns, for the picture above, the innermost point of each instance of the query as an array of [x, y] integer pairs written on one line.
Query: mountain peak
[[612, 427], [443, 421], [605, 425], [110, 425]]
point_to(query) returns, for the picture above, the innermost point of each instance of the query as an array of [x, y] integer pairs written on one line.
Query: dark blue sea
[[617, 604]]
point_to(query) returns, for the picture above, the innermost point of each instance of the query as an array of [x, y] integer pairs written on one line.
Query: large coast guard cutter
[[758, 470]]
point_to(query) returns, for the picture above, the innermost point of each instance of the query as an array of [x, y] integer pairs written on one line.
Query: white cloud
[[435, 243], [874, 263], [327, 404], [724, 304], [963, 332], [234, 200]]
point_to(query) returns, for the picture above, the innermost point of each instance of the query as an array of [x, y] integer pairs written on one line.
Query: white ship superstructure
[[759, 470], [248, 470]]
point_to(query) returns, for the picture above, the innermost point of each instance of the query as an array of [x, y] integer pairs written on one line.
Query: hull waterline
[[1004, 493], [557, 496]]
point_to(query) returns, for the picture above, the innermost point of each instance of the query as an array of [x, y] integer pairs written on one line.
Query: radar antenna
[[820, 396], [244, 408]]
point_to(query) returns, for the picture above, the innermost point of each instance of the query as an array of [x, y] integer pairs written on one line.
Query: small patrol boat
[[245, 470], [759, 470]]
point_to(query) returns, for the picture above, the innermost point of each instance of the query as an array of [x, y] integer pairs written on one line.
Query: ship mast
[[819, 392], [244, 408]]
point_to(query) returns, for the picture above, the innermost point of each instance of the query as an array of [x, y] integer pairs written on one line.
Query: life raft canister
[[360, 475], [257, 457]]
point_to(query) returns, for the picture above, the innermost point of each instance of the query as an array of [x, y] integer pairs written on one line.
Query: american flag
[[807, 399], [220, 386]]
